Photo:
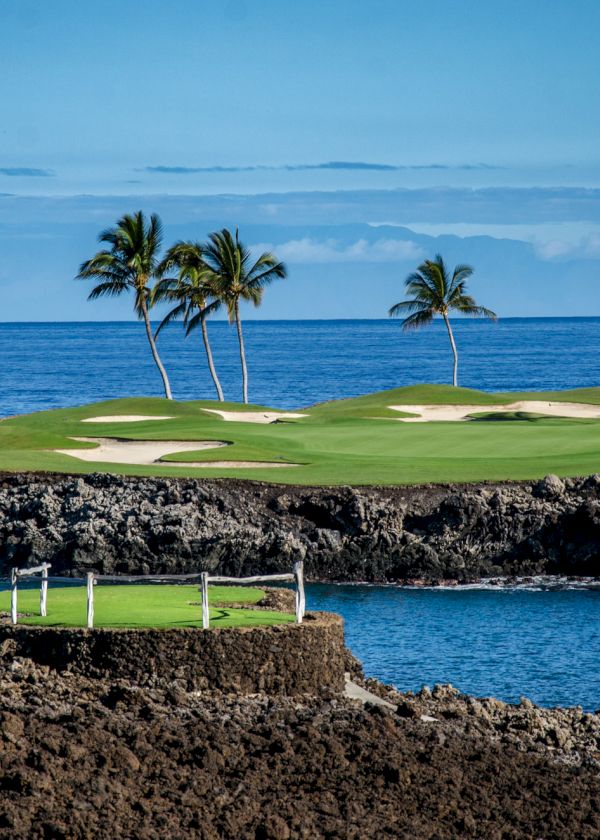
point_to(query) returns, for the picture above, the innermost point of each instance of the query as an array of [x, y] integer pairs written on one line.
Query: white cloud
[[587, 248], [308, 250], [554, 249]]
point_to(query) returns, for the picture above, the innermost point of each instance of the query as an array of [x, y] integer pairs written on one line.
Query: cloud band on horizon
[[333, 165], [26, 172]]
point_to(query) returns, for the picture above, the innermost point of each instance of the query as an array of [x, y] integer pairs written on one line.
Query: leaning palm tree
[[433, 292], [235, 277], [191, 292], [130, 264]]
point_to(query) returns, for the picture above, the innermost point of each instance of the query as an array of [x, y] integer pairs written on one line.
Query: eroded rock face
[[284, 659], [433, 533]]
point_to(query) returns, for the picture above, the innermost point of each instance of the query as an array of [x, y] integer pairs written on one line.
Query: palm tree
[[191, 291], [433, 292], [129, 264], [235, 278]]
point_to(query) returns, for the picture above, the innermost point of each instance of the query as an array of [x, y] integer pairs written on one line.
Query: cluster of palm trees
[[197, 278]]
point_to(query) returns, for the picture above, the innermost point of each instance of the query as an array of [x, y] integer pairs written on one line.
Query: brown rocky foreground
[[91, 758]]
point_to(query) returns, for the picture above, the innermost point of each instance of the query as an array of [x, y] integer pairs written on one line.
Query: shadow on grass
[[526, 417]]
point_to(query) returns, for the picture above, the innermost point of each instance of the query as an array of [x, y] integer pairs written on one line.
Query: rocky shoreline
[[108, 758], [417, 535]]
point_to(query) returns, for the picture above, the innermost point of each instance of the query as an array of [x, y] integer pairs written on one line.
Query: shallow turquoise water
[[540, 644]]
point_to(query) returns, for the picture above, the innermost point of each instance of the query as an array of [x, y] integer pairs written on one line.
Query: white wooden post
[[13, 595], [90, 599], [44, 591], [204, 591], [300, 598]]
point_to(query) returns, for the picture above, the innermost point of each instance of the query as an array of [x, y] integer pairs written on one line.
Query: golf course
[[143, 605], [412, 435]]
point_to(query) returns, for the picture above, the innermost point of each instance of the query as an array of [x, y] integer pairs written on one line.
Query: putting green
[[357, 441], [143, 605]]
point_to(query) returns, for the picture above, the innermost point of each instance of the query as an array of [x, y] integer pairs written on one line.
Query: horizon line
[[387, 320]]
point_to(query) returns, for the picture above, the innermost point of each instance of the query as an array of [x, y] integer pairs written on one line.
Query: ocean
[[540, 642], [291, 364]]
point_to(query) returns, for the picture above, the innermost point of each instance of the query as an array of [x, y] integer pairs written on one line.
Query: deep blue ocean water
[[542, 644], [291, 363], [533, 642]]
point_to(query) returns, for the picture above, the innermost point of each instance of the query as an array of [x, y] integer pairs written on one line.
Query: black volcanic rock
[[431, 532]]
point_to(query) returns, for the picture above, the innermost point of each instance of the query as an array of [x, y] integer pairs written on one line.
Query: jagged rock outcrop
[[433, 532]]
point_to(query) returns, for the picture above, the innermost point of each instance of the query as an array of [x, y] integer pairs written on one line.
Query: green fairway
[[356, 441], [143, 605]]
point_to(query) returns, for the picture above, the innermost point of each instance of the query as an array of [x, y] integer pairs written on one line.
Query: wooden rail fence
[[297, 577], [15, 574]]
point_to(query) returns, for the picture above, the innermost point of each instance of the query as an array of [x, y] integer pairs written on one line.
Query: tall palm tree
[[235, 278], [432, 291], [193, 295], [130, 264]]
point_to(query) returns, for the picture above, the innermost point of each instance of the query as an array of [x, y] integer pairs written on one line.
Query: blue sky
[[463, 118]]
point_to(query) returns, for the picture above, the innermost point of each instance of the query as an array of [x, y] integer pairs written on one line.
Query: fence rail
[[134, 578], [297, 575], [92, 578], [15, 574]]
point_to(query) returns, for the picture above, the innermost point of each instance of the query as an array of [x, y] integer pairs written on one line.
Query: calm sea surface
[[291, 363], [540, 643]]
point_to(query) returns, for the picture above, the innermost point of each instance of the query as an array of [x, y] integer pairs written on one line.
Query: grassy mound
[[143, 605], [354, 441]]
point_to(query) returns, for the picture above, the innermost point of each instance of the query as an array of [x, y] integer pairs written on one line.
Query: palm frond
[[405, 306], [194, 322], [476, 311], [277, 271], [108, 289], [420, 318], [164, 289], [175, 313]]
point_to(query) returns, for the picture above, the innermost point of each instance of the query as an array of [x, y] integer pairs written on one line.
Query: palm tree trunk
[[155, 355], [209, 356], [238, 324], [454, 351]]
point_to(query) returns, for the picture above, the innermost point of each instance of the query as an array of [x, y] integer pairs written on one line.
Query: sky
[[355, 138]]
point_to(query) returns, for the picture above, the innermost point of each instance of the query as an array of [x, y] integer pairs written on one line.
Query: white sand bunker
[[148, 452], [427, 413], [115, 451], [254, 416], [126, 418]]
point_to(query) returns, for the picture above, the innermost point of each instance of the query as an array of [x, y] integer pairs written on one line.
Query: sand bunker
[[428, 413], [148, 452], [126, 418], [114, 451], [254, 416]]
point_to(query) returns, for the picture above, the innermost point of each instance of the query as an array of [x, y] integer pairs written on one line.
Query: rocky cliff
[[138, 525]]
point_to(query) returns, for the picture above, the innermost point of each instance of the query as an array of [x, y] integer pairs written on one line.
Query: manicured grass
[[355, 441], [143, 605]]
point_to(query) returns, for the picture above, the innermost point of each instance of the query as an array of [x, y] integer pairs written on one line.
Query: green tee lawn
[[143, 605], [356, 441]]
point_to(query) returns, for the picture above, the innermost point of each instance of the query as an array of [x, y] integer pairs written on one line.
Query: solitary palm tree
[[433, 292], [130, 264], [235, 278], [191, 291]]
